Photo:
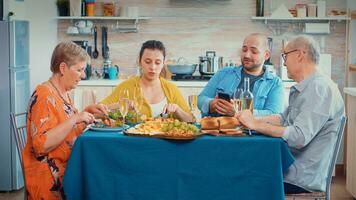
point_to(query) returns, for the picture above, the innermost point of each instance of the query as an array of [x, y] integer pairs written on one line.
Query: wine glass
[[124, 94], [123, 107], [193, 104], [237, 100], [193, 101], [124, 103]]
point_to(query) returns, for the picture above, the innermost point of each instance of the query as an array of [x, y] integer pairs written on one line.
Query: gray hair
[[69, 53], [308, 44]]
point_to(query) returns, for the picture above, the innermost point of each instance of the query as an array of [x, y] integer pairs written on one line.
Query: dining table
[[111, 165]]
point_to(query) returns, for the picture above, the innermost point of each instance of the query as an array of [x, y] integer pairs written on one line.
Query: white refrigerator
[[14, 96]]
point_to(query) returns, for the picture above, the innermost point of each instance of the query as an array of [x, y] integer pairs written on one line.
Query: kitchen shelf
[[352, 67], [302, 19], [278, 25], [117, 28], [101, 18]]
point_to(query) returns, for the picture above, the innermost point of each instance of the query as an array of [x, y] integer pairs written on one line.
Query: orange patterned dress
[[44, 171]]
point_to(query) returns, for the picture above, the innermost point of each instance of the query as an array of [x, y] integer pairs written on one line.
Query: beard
[[252, 66]]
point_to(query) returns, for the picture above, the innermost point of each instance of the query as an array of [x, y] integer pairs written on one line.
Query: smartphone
[[224, 96]]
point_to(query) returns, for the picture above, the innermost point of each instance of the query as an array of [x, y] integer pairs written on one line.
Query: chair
[[18, 122], [325, 195], [19, 130]]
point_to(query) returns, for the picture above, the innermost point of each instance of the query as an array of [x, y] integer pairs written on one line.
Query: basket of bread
[[221, 126], [164, 128]]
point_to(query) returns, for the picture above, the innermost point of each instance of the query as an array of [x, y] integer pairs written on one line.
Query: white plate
[[119, 128]]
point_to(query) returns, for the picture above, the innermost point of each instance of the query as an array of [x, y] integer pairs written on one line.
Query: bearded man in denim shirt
[[266, 87]]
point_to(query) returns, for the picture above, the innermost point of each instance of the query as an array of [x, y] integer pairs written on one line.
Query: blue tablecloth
[[109, 165]]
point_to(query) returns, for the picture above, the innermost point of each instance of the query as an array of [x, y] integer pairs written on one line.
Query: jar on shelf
[[312, 10], [90, 9], [109, 9], [301, 10]]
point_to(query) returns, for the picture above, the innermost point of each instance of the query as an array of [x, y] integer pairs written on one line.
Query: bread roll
[[228, 122], [209, 123]]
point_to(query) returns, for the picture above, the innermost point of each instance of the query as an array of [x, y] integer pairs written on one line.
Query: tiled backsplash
[[189, 27]]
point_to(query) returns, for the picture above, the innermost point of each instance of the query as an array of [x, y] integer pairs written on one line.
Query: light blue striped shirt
[[311, 120]]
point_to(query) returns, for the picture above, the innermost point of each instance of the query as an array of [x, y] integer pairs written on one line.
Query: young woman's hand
[[178, 112], [171, 108], [98, 110]]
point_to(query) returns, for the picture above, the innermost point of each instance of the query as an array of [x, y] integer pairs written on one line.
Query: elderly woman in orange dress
[[53, 123]]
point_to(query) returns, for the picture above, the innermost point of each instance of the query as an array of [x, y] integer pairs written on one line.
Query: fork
[[164, 115], [97, 121]]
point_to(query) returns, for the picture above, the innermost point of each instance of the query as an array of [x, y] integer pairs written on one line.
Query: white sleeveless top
[[157, 108]]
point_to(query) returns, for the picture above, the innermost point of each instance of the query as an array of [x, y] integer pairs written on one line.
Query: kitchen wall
[[43, 34], [352, 46], [43, 38], [190, 27]]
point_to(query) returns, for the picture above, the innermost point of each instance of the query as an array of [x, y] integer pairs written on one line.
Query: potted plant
[[63, 7]]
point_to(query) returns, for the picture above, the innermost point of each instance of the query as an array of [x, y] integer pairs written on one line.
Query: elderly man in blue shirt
[[309, 124], [266, 87]]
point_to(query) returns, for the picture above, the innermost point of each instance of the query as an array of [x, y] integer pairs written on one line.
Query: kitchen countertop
[[350, 91], [113, 83]]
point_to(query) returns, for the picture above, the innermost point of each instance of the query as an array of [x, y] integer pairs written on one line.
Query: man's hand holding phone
[[222, 105]]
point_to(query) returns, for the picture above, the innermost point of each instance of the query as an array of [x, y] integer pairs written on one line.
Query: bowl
[[182, 69]]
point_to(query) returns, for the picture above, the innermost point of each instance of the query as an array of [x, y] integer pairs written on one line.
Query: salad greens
[[130, 118]]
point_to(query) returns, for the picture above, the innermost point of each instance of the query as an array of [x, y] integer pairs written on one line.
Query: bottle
[[247, 96], [107, 65], [231, 63], [321, 8], [259, 8]]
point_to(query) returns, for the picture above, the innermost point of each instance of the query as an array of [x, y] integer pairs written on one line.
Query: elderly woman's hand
[[99, 110], [246, 118], [85, 117]]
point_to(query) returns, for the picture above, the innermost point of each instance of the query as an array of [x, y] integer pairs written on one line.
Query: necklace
[[60, 95]]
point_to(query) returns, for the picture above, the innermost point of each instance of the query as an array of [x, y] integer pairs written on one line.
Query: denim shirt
[[268, 91]]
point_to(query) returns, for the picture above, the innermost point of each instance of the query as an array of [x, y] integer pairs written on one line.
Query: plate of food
[[108, 125], [108, 128], [164, 128], [221, 126]]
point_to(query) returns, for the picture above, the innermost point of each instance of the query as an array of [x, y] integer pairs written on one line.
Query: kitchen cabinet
[[93, 91], [351, 138], [351, 72], [86, 95]]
